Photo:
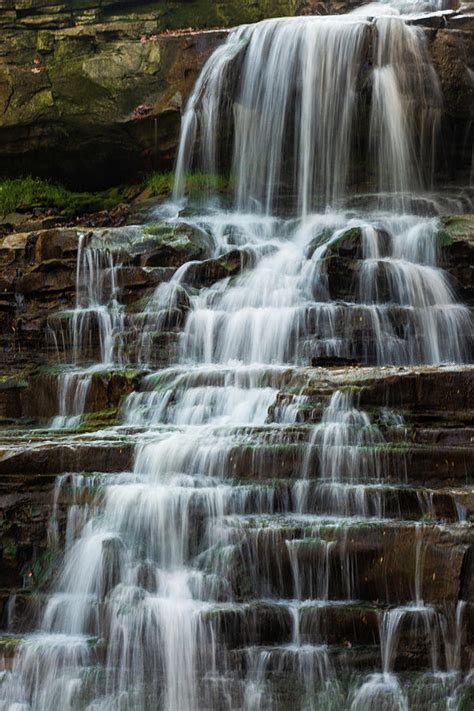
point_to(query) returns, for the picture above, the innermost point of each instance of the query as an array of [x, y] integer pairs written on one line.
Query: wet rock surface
[[429, 492], [91, 92], [70, 96], [39, 272]]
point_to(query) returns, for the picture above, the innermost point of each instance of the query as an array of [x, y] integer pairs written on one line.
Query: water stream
[[98, 310], [217, 572]]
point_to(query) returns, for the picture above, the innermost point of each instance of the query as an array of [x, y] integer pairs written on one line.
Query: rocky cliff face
[[91, 93], [87, 103], [38, 277], [169, 14]]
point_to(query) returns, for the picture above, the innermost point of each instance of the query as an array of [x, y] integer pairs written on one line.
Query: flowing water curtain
[[296, 96], [406, 108], [297, 88], [91, 336], [285, 68]]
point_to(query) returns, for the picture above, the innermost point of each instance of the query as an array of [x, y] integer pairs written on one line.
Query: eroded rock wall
[[75, 76], [95, 104]]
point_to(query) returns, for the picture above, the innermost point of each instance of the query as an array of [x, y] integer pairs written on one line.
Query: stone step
[[423, 634], [107, 389], [348, 559], [425, 392], [24, 465], [423, 396], [20, 610], [410, 465], [373, 500], [421, 630], [272, 622], [425, 466]]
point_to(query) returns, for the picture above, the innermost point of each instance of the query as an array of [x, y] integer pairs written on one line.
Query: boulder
[[206, 273], [167, 245]]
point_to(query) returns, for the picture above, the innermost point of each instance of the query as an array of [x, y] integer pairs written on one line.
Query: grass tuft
[[162, 183]]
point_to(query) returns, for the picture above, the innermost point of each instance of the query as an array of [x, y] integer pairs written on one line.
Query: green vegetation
[[14, 380], [454, 228], [466, 698], [444, 239], [162, 183], [162, 229], [45, 568], [127, 373], [9, 644], [27, 193], [99, 420], [348, 240]]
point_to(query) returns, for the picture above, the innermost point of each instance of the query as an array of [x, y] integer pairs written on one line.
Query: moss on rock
[[168, 245], [456, 227]]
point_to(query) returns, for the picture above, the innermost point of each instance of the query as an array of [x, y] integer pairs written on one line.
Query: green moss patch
[[23, 194], [456, 227], [444, 239], [99, 420]]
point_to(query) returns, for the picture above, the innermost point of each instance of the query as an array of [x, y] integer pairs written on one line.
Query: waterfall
[[267, 549], [406, 107], [348, 444], [297, 87], [94, 330], [96, 303], [283, 310]]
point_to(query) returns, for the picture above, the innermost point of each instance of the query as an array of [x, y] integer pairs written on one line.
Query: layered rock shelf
[[423, 416], [39, 268]]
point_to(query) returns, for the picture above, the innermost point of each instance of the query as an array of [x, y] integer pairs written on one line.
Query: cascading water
[[93, 331], [307, 76], [216, 573]]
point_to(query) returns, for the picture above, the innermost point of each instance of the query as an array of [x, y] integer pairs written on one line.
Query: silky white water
[[243, 506], [305, 76], [93, 331]]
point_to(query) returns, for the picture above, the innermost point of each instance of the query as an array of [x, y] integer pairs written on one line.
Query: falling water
[[398, 308], [305, 75], [246, 561], [348, 444], [403, 121], [93, 330]]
